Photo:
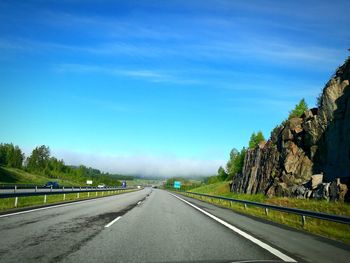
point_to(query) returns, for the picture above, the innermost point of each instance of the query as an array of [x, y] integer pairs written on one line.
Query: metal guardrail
[[63, 192], [302, 213], [53, 191], [31, 186]]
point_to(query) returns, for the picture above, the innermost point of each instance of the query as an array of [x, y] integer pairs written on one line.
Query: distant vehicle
[[52, 184], [138, 187], [124, 184], [101, 186]]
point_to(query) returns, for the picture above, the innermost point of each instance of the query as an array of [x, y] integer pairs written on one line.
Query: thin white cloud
[[245, 47], [275, 51], [144, 165], [150, 75]]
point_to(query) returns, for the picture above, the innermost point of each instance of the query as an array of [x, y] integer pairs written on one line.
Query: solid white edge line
[[54, 206], [112, 222], [272, 250]]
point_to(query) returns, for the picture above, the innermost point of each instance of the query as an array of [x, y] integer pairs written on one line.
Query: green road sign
[[177, 184]]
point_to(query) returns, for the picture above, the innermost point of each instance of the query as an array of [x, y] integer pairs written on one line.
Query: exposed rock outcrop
[[316, 143]]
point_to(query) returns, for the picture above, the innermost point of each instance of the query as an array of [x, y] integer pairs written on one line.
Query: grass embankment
[[7, 204], [328, 229], [18, 176]]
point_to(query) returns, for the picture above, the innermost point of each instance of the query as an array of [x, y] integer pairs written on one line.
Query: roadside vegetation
[[41, 167], [186, 184], [19, 176], [336, 231]]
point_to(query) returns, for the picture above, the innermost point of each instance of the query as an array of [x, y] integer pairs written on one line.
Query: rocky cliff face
[[316, 143]]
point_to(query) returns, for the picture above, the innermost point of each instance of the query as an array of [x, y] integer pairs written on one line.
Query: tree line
[[11, 156], [41, 162]]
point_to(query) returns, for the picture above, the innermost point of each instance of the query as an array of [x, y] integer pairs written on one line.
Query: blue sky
[[160, 87]]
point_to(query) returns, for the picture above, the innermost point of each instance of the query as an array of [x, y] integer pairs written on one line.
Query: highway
[[153, 225]]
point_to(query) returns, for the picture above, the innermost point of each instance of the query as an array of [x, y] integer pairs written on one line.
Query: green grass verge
[[8, 204], [336, 231], [18, 176]]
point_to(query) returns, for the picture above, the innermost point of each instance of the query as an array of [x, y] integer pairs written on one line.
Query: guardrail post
[[16, 201], [62, 188], [303, 220], [72, 188], [80, 188], [36, 188], [64, 197], [245, 206], [44, 199], [266, 211], [14, 190], [51, 188]]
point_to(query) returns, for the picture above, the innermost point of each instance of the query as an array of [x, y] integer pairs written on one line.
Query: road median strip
[[36, 203]]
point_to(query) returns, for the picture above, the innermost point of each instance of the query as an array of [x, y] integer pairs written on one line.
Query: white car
[[101, 186]]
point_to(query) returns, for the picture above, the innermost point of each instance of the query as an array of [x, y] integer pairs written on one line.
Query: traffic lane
[[165, 229], [48, 235], [303, 246]]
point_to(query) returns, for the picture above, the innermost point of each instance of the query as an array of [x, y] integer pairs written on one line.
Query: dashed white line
[[112, 222], [272, 250]]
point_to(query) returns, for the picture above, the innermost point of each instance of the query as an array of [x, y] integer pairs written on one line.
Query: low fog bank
[[143, 165]]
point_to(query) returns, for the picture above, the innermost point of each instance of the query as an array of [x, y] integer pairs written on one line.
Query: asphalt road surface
[[155, 226]]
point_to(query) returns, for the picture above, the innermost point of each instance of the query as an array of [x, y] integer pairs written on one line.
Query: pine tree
[[299, 109]]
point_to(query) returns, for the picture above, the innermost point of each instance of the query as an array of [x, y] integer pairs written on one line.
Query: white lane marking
[[112, 222], [240, 232], [54, 206]]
